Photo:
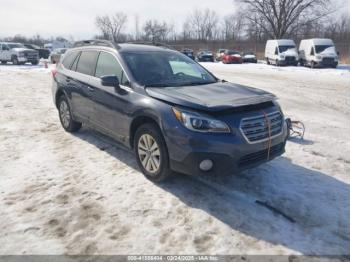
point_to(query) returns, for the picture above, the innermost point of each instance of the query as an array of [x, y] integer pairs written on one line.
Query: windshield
[[162, 69], [15, 46], [232, 53], [284, 48], [321, 48], [249, 53]]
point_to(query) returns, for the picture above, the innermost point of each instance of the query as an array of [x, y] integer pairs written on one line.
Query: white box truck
[[281, 52], [318, 52]]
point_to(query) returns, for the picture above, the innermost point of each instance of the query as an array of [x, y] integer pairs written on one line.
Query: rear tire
[[151, 153], [15, 60], [4, 62], [268, 61], [65, 115]]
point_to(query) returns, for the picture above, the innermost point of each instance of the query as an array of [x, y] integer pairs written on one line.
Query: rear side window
[[69, 59], [108, 65], [87, 62]]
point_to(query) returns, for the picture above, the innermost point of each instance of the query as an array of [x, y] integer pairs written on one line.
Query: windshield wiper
[[156, 85], [197, 83]]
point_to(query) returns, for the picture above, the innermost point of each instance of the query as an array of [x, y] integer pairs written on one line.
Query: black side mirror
[[111, 80]]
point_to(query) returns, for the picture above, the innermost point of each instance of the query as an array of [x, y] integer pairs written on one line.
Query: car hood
[[290, 52], [211, 97], [22, 50], [249, 56]]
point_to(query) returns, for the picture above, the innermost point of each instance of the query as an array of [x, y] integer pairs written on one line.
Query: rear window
[[232, 53], [69, 59], [87, 62]]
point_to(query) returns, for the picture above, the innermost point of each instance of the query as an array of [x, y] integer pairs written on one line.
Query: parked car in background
[[189, 53], [56, 55], [219, 54], [318, 53], [232, 57], [173, 113], [205, 56], [249, 57], [18, 54], [43, 52], [281, 52]]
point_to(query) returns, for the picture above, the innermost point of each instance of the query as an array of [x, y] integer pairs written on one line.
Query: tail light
[[54, 73]]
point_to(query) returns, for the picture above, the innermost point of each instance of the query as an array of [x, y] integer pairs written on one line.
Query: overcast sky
[[76, 17]]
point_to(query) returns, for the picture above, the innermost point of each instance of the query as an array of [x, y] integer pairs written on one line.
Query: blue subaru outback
[[174, 114]]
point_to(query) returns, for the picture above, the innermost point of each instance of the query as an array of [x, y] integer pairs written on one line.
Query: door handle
[[69, 79], [91, 89]]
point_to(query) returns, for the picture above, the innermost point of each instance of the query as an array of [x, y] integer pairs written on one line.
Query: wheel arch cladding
[[139, 121]]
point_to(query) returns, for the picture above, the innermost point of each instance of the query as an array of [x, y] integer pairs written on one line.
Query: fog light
[[206, 165]]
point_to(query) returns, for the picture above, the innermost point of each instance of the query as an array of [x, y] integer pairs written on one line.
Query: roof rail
[[96, 42], [151, 43]]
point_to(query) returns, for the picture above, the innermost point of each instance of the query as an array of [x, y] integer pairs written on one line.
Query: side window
[[87, 62], [4, 47], [75, 63], [69, 58], [107, 64], [312, 51]]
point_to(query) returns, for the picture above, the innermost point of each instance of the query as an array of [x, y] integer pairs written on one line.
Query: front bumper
[[229, 153], [323, 63], [250, 60], [206, 59], [24, 59], [288, 62]]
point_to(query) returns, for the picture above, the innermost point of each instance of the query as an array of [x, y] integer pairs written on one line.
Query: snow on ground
[[83, 194]]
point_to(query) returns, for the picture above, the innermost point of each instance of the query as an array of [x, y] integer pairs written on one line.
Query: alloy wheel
[[65, 114], [149, 153]]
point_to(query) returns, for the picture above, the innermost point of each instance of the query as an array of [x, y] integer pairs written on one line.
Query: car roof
[[127, 48]]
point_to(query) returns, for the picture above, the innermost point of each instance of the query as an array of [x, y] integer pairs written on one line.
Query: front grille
[[256, 129], [261, 156], [31, 55], [328, 61], [290, 59]]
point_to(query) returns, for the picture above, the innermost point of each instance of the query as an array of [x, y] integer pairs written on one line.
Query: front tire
[[65, 115], [151, 153], [35, 62]]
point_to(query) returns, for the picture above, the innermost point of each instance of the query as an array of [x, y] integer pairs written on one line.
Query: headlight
[[282, 56], [318, 57], [199, 123], [21, 54]]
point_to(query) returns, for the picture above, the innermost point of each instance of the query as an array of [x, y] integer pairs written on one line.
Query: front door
[[111, 105]]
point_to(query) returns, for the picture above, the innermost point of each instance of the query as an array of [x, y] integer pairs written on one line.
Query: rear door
[[111, 105], [81, 88]]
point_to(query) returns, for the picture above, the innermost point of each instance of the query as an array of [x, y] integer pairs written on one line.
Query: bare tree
[[156, 31], [233, 26], [281, 17], [202, 24], [111, 26]]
